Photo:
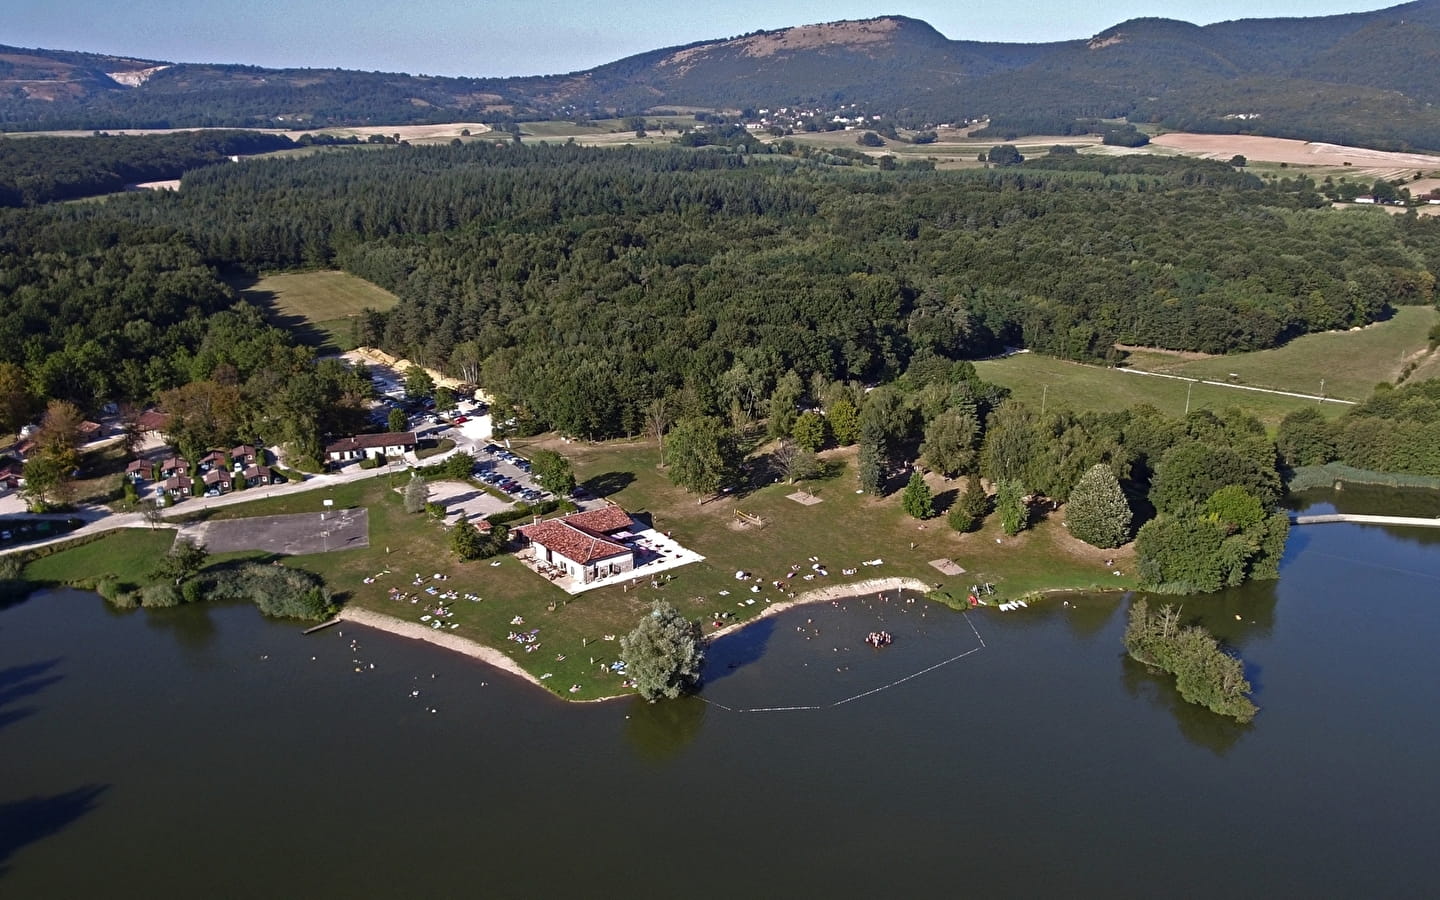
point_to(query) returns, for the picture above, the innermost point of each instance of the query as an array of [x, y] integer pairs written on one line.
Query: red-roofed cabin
[[140, 470], [152, 420], [175, 465], [580, 543]]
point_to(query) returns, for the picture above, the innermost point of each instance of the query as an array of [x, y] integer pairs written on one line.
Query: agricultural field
[[322, 308], [1351, 363], [1053, 382]]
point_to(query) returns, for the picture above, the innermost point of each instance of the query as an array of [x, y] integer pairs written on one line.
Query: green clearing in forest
[[1038, 379], [322, 308], [1350, 362]]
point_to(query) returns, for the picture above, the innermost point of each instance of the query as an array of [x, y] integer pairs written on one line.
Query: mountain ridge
[[1371, 77]]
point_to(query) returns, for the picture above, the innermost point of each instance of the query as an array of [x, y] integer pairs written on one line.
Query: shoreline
[[462, 645], [489, 655], [833, 592]]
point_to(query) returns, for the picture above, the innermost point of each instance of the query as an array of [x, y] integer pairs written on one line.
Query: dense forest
[[585, 283], [43, 169]]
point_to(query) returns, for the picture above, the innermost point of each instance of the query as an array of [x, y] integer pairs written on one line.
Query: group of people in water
[[878, 639]]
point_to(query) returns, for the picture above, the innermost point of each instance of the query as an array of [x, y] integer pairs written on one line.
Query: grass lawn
[[1095, 388], [130, 554], [321, 307], [843, 530], [1350, 362]]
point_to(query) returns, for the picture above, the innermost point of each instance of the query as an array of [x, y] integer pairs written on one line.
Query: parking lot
[[299, 533], [458, 497], [508, 472]]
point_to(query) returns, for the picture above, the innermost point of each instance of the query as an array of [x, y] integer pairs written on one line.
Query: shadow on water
[[191, 625], [1235, 615], [19, 682], [737, 649], [23, 822], [1200, 726], [660, 731]]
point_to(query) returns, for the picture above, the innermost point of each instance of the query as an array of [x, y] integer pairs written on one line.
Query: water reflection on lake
[[206, 751]]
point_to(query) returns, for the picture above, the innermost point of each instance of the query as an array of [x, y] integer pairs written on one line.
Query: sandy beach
[[418, 632], [834, 592], [490, 655]]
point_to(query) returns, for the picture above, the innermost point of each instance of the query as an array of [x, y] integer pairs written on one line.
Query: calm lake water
[[209, 752]]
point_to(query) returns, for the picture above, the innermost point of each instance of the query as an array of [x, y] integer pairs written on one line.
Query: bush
[[278, 591], [125, 600], [435, 510], [371, 462], [160, 595], [192, 592], [524, 511]]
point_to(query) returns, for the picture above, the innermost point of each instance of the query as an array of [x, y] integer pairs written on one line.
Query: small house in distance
[[217, 481], [256, 476], [365, 446], [178, 487], [583, 546], [140, 471], [175, 465], [244, 455]]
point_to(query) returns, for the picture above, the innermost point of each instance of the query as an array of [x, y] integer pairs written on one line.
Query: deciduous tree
[[703, 455], [1010, 502], [417, 494], [1097, 512], [664, 653], [553, 472], [949, 446]]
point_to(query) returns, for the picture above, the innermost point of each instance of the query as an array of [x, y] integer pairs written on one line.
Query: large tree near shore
[[663, 654]]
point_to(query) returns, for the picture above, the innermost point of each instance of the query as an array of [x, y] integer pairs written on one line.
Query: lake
[[206, 751]]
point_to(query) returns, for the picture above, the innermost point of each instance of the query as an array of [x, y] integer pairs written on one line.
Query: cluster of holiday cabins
[[217, 472]]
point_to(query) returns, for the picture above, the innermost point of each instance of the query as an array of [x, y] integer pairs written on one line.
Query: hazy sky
[[534, 37]]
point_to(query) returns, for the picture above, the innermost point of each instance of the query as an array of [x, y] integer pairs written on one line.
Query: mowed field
[[1038, 379], [1350, 362], [321, 307]]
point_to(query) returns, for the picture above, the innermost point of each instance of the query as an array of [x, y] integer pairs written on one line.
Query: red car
[[461, 420]]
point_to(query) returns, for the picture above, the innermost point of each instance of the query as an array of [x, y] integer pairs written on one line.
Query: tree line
[[43, 169]]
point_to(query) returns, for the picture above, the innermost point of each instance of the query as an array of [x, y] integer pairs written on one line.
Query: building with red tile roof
[[581, 545]]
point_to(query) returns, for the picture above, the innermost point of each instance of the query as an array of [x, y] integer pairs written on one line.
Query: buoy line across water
[[862, 694]]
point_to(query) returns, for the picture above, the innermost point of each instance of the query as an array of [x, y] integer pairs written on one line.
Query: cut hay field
[[1350, 362], [1084, 388], [322, 308], [1303, 153]]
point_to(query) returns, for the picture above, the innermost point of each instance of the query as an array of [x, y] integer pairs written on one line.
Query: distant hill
[[1370, 78]]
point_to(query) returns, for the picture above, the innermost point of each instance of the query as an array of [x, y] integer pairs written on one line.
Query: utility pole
[[1322, 389], [1044, 389], [1187, 397]]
